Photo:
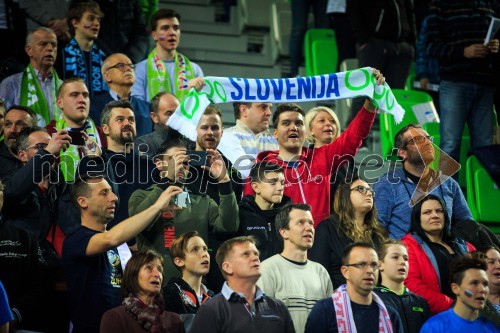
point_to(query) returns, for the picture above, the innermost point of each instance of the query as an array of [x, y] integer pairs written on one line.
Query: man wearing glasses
[[355, 305], [290, 276], [118, 72], [399, 189]]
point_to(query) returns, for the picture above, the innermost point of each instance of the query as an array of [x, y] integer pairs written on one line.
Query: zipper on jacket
[[399, 18], [380, 18]]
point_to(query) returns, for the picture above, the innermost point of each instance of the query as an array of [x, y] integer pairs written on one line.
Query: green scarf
[[159, 79], [32, 95], [69, 159]]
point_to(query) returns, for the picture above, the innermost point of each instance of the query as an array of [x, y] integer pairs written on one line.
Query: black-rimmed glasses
[[363, 189], [38, 146]]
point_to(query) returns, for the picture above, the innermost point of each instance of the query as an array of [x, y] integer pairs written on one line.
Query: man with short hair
[[92, 263], [258, 211], [16, 118], [252, 127], [290, 276], [396, 188], [73, 100], [37, 85], [163, 105], [354, 306], [126, 171], [166, 69], [241, 306], [200, 212], [83, 55], [308, 170], [469, 282], [118, 72]]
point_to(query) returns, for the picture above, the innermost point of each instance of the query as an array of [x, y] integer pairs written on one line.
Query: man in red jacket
[[308, 171]]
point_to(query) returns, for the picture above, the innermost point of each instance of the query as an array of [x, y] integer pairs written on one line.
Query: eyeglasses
[[364, 265], [364, 190], [419, 139], [121, 66], [38, 146]]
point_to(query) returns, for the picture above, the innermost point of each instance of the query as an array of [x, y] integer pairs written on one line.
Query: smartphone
[[76, 138], [182, 199], [197, 158]]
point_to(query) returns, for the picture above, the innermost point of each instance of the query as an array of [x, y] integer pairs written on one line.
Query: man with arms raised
[[241, 306], [354, 306], [92, 263], [289, 276], [308, 171]]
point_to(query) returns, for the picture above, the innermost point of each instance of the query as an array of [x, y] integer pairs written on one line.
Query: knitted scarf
[[148, 316], [70, 158], [32, 95], [345, 318], [159, 79], [76, 66]]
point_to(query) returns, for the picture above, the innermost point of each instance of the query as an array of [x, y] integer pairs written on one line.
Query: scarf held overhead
[[359, 82]]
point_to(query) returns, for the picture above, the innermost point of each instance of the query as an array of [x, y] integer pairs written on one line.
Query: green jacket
[[201, 215]]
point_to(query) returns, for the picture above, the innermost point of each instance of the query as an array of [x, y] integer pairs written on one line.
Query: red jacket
[[422, 278], [309, 181]]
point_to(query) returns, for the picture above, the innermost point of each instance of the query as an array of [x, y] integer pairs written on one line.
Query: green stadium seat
[[483, 195], [320, 52]]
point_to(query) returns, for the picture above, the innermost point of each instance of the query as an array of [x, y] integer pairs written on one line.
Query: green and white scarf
[[69, 159], [32, 95], [159, 79]]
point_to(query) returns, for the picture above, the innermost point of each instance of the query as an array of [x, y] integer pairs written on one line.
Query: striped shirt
[[252, 143]]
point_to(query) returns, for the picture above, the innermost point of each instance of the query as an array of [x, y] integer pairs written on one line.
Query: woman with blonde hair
[[354, 220], [322, 125]]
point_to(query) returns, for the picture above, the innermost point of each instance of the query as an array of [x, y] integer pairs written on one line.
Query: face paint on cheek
[[468, 293], [162, 38], [87, 26]]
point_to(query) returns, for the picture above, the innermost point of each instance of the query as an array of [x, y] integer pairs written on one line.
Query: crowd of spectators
[[111, 221]]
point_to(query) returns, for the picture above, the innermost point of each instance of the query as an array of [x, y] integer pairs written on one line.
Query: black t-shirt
[[443, 258], [365, 317], [94, 281]]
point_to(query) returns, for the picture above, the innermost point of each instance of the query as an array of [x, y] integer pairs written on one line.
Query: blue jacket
[[394, 192]]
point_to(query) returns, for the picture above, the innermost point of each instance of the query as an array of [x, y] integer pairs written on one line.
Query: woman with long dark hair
[[431, 246]]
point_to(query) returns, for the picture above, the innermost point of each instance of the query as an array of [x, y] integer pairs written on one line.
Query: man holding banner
[[307, 171]]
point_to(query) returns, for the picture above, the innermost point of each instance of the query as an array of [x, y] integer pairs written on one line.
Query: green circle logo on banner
[[196, 104], [361, 87]]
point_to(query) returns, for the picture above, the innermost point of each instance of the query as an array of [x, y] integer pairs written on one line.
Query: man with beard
[[123, 167], [118, 72], [37, 85], [396, 188], [163, 105], [16, 118], [73, 99]]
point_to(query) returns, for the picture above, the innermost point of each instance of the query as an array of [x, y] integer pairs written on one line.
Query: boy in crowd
[[412, 309], [189, 254], [257, 212]]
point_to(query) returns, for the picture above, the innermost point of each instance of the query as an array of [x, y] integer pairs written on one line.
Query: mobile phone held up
[[197, 158], [76, 138]]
